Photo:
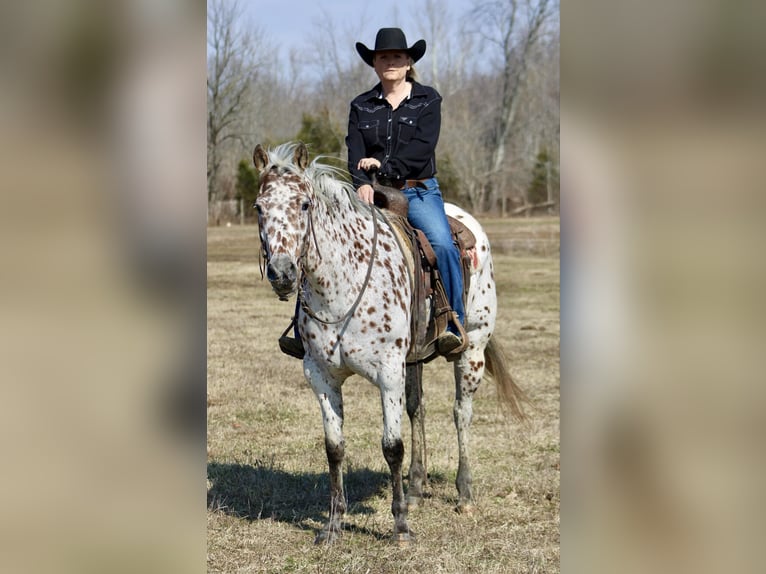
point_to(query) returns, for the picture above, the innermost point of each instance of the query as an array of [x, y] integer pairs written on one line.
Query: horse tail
[[509, 392]]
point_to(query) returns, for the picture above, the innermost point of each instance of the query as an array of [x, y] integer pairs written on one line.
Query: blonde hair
[[411, 73]]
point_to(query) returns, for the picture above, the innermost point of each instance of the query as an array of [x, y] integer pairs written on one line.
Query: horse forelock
[[282, 156]]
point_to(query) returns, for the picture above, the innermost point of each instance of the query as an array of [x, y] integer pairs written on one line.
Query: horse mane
[[330, 183]]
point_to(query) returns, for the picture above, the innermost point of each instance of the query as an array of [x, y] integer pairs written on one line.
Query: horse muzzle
[[283, 276]]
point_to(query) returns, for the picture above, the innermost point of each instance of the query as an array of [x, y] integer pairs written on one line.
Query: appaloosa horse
[[355, 293]]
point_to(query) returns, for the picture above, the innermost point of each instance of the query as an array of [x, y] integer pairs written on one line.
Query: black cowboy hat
[[391, 39]]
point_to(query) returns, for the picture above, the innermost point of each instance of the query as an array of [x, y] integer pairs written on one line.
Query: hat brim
[[415, 52]]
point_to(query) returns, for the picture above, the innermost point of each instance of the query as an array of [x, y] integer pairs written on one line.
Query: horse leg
[[469, 369], [392, 398], [416, 413], [328, 392]]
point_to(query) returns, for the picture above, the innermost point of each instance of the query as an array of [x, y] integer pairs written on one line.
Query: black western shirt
[[403, 140]]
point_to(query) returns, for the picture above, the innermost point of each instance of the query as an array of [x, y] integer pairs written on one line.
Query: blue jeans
[[426, 212]]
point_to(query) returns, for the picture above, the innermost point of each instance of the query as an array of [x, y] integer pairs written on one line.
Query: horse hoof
[[327, 537], [402, 538], [466, 509]]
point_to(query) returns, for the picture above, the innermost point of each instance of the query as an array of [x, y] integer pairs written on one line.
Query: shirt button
[[389, 119], [389, 137]]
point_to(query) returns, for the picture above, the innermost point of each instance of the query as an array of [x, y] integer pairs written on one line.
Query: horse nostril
[[271, 273]]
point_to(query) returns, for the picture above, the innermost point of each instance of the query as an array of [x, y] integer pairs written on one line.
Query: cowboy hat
[[391, 39]]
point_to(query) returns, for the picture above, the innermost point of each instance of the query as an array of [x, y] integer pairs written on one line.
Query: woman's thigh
[[426, 212]]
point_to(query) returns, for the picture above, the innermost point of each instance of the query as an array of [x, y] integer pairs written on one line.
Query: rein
[[365, 283]]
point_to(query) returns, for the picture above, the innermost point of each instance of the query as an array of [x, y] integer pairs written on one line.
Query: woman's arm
[[356, 151]]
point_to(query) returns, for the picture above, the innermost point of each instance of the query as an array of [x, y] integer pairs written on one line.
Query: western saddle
[[431, 311]]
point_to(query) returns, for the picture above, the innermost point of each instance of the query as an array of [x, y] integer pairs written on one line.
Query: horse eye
[[305, 206], [257, 208]]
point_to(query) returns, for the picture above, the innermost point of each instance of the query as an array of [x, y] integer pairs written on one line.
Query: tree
[[514, 27], [320, 134], [544, 186], [247, 185], [449, 180], [232, 70], [495, 63]]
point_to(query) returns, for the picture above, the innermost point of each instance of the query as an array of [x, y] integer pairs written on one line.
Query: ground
[[267, 471]]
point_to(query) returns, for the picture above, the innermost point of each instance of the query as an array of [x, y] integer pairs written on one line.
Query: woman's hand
[[365, 193], [368, 163]]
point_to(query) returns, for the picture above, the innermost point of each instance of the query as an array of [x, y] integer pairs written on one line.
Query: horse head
[[284, 206]]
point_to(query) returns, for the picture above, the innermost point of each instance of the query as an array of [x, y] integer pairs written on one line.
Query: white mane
[[329, 182]]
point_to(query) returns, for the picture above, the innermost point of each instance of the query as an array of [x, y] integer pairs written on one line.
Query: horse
[[345, 262]]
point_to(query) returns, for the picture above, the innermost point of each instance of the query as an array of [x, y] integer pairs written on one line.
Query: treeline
[[496, 64]]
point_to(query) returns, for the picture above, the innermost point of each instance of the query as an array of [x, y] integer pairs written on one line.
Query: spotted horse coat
[[319, 239]]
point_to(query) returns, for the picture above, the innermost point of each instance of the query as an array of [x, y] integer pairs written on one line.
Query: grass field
[[267, 471]]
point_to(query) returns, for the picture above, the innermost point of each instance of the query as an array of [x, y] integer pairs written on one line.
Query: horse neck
[[342, 235]]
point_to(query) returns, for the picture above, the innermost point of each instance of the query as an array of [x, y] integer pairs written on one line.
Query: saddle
[[431, 311]]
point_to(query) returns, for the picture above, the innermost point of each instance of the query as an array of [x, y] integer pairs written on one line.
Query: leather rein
[[308, 310]]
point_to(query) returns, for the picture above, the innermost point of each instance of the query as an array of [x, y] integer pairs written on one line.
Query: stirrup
[[450, 345], [448, 342], [292, 346]]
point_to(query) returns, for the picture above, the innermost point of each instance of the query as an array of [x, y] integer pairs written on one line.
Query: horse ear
[[260, 157], [301, 156]]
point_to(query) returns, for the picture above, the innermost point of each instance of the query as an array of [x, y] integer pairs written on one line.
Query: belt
[[401, 183]]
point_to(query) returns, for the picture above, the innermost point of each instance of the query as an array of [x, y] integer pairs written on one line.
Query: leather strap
[[401, 184]]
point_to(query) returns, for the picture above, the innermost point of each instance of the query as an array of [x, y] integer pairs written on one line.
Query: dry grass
[[267, 481]]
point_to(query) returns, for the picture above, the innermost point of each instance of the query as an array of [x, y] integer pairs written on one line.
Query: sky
[[290, 23]]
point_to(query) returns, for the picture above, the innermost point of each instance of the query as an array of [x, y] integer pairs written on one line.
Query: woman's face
[[391, 65]]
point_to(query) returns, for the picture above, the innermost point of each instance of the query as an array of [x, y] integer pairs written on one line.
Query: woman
[[393, 128]]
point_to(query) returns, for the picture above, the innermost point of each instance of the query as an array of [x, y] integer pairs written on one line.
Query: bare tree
[[451, 51], [514, 28], [342, 73], [465, 139], [435, 20], [232, 71]]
